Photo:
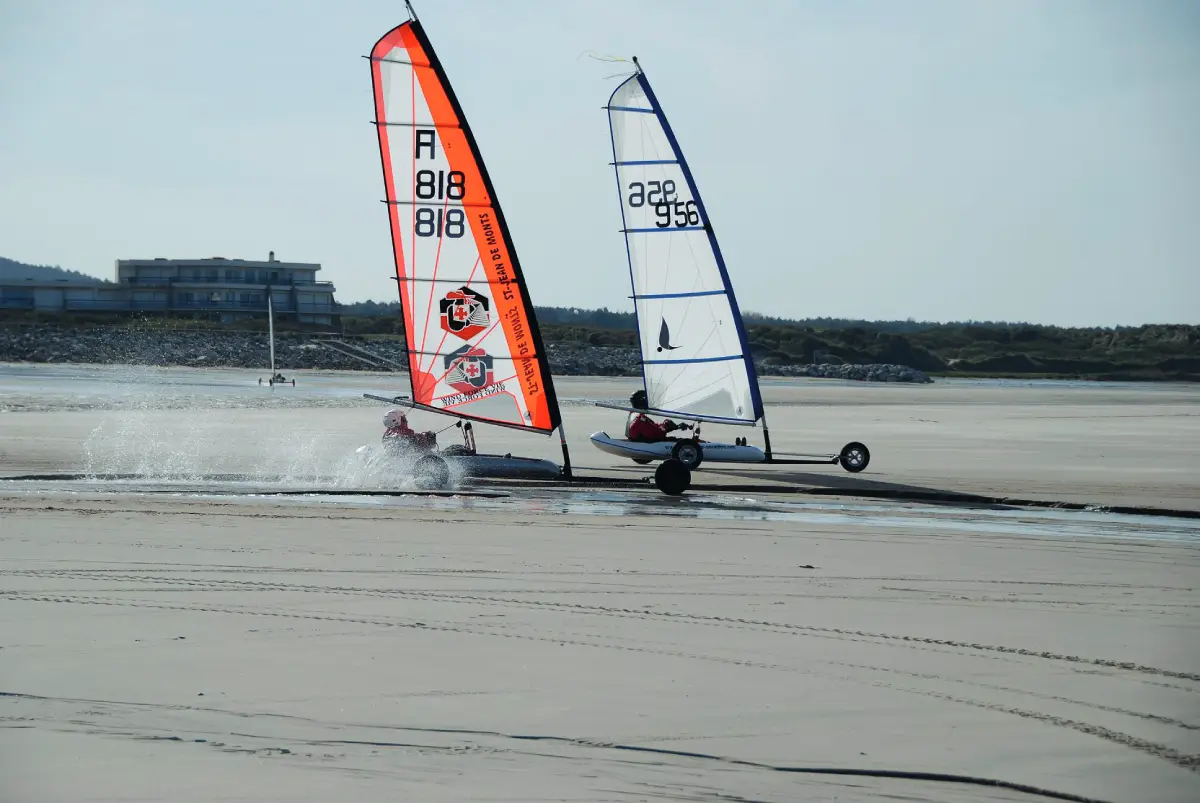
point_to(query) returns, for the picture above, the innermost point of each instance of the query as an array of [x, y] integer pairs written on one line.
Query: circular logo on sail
[[469, 369], [464, 312]]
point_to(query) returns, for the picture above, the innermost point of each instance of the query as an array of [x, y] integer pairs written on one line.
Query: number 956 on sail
[[659, 203]]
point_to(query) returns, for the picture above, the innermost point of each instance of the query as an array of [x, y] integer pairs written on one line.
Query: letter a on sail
[[474, 349]]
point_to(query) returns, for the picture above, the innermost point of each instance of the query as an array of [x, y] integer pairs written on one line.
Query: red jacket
[[644, 429], [403, 431], [420, 440]]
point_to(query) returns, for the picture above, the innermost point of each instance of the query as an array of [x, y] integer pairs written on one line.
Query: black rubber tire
[[672, 477], [432, 471], [641, 461], [689, 453], [854, 457]]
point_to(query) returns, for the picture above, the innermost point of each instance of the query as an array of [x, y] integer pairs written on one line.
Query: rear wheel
[[689, 453], [431, 472], [854, 457], [672, 477]]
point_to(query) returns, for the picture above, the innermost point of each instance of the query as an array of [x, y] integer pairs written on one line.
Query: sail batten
[[681, 295], [695, 356], [417, 125], [451, 206], [474, 347], [664, 231], [688, 361]]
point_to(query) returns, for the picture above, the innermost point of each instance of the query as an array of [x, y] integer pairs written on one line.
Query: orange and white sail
[[474, 349]]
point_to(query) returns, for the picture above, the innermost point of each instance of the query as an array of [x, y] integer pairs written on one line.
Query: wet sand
[[1131, 445], [189, 647]]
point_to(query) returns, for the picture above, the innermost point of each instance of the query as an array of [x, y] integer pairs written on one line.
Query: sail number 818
[[432, 222], [436, 222], [661, 195]]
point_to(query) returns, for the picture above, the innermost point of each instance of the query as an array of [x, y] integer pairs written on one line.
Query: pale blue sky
[[986, 159]]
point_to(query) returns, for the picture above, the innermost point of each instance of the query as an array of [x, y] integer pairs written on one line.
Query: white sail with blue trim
[[696, 360]]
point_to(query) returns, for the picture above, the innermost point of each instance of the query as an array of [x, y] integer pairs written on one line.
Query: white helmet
[[395, 418]]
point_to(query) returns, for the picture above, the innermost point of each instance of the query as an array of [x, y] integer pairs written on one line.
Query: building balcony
[[111, 305], [251, 307], [143, 281], [200, 305]]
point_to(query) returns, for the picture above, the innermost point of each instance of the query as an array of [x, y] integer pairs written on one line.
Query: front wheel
[[689, 453], [854, 457], [672, 477], [431, 472]]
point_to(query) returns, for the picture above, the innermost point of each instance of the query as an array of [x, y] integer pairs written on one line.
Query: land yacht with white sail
[[696, 359]]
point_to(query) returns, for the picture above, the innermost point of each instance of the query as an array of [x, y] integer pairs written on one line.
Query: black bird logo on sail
[[664, 337], [469, 369], [464, 312]]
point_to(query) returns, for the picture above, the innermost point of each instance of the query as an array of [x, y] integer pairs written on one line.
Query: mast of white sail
[[271, 329]]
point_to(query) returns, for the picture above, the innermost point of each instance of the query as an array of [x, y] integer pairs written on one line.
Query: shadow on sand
[[855, 485]]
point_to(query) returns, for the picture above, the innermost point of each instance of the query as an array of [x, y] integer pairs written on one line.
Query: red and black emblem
[[469, 369], [464, 312]]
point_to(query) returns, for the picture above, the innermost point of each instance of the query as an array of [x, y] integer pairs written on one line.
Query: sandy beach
[[202, 640]]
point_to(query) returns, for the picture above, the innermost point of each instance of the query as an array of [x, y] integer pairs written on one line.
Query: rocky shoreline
[[234, 349]]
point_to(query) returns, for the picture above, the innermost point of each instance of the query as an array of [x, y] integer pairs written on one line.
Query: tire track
[[1190, 762], [640, 752], [1128, 666], [244, 569], [533, 605], [1184, 760], [382, 622], [1158, 718]]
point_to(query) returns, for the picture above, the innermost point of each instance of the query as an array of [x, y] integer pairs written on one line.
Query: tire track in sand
[[1128, 666], [1189, 762]]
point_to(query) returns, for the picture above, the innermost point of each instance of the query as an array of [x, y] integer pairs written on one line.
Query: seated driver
[[645, 429], [397, 430]]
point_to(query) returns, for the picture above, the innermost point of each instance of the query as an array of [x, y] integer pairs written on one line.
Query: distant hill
[[13, 271]]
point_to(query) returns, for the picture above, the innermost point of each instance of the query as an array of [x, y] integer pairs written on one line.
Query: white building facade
[[228, 288]]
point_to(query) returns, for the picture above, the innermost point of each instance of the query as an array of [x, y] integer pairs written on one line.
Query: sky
[[932, 159]]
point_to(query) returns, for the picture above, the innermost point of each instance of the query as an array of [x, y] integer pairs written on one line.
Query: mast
[[271, 330]]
